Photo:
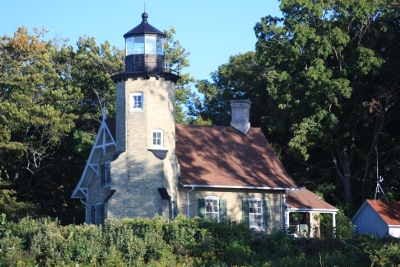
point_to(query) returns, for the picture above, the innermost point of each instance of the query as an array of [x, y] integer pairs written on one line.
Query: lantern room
[[144, 48]]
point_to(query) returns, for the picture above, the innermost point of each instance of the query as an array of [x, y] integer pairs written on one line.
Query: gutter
[[314, 210], [240, 187], [286, 228]]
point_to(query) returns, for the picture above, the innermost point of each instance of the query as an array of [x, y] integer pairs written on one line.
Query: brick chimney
[[240, 115]]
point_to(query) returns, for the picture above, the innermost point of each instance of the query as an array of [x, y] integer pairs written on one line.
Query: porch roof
[[305, 200]]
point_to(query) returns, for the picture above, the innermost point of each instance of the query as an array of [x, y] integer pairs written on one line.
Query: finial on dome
[[144, 17]]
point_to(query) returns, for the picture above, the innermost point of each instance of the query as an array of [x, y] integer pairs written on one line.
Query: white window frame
[[212, 211], [133, 101], [153, 139], [256, 213]]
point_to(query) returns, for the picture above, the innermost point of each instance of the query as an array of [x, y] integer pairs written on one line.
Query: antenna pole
[[379, 179]]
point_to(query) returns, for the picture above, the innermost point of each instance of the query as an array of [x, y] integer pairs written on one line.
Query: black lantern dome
[[144, 53], [144, 48]]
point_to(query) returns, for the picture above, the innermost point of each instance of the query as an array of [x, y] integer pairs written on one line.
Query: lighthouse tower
[[143, 169]]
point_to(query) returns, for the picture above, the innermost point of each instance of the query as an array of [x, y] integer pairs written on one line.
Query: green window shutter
[[101, 213], [102, 174], [175, 209], [245, 212], [93, 214], [222, 210], [108, 173], [202, 207], [267, 215]]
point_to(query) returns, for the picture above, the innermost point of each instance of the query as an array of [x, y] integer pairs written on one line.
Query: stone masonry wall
[[233, 199], [137, 172], [97, 192]]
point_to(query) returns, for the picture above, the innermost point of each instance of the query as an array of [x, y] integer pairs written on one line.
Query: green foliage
[[240, 78], [182, 242], [327, 69], [344, 226], [176, 59]]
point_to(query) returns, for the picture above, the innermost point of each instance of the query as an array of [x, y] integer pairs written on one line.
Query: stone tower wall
[[137, 173]]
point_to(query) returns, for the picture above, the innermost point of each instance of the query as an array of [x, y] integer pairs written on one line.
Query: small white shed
[[378, 217]]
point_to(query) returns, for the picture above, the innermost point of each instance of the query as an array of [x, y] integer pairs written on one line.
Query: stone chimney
[[240, 115]]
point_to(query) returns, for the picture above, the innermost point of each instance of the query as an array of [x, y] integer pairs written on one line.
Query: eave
[[239, 187]]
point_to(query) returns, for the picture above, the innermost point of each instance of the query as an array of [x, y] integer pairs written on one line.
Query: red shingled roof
[[390, 212], [305, 199], [223, 156]]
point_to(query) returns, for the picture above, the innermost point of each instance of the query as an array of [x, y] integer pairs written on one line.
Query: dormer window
[[157, 139], [136, 101]]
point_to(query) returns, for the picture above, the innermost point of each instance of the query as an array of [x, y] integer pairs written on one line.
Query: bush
[[182, 242]]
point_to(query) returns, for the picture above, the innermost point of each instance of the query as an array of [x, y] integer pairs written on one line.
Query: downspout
[[188, 203], [172, 206], [86, 210], [281, 209], [286, 211]]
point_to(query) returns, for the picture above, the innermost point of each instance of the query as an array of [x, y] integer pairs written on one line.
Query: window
[[212, 207], [160, 46], [256, 213], [157, 139], [105, 174], [134, 45], [136, 101], [150, 46], [98, 213]]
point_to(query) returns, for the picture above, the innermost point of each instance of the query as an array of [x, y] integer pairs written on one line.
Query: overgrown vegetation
[[182, 242]]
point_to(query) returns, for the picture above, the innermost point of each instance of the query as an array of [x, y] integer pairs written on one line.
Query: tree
[[35, 111], [331, 69], [176, 59], [240, 78]]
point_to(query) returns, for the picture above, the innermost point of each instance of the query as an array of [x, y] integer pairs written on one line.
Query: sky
[[210, 30]]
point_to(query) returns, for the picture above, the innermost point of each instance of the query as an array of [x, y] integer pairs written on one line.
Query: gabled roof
[[304, 199], [221, 156], [389, 212], [105, 138]]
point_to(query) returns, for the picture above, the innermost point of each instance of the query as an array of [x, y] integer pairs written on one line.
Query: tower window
[[157, 139], [136, 101]]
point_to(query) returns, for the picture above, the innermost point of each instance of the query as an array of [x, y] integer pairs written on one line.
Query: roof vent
[[240, 115]]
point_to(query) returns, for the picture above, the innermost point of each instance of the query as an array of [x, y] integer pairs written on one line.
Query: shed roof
[[221, 156], [389, 212]]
